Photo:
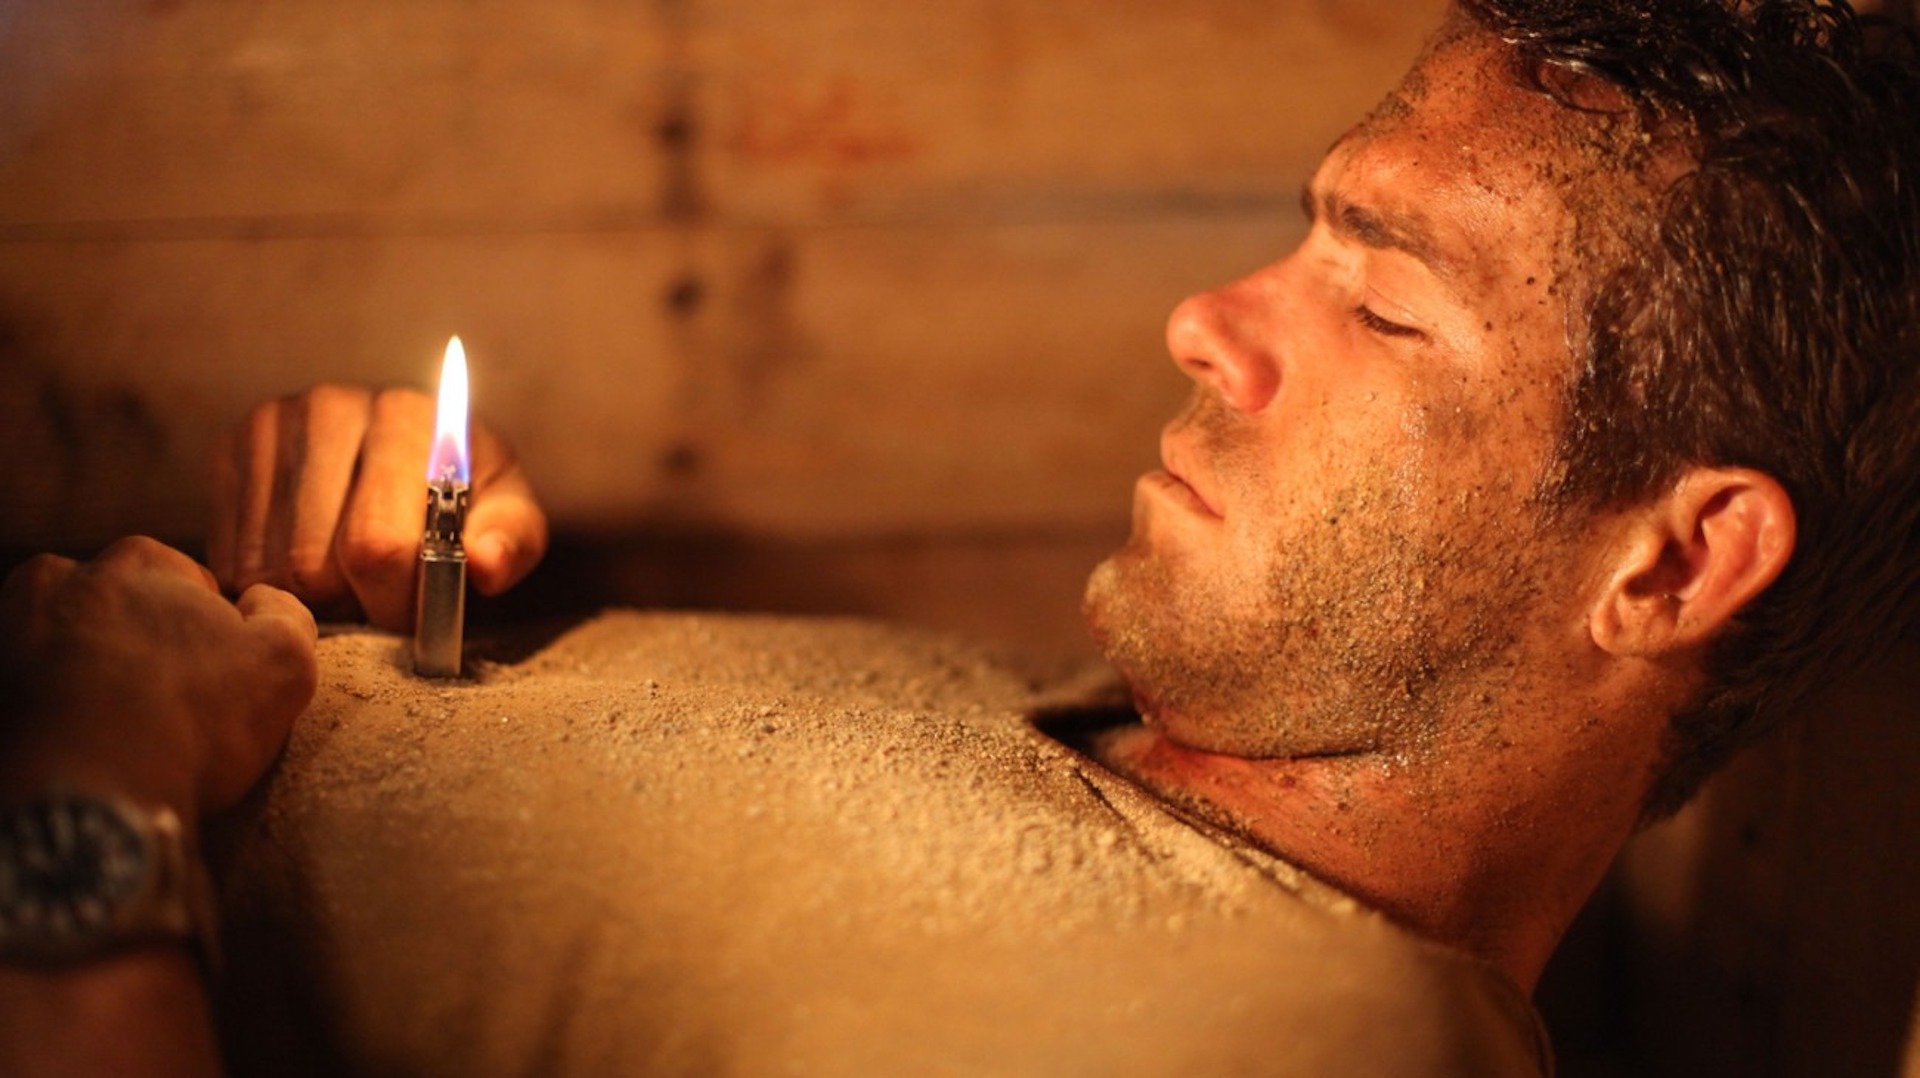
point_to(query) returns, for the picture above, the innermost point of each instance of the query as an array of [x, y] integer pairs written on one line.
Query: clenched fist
[[132, 675], [323, 493]]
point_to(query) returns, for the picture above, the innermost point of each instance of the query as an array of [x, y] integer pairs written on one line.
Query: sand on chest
[[671, 841]]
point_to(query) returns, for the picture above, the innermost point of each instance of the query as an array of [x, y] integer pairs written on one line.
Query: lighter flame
[[448, 461]]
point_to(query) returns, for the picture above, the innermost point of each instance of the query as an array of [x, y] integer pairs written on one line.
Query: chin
[[1110, 604], [1203, 697]]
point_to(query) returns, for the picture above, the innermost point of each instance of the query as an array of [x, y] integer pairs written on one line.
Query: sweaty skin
[[1353, 627], [1371, 422]]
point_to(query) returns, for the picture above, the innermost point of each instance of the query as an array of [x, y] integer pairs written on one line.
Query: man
[[1573, 445]]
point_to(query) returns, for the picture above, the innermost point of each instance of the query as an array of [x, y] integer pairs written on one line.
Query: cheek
[[1498, 423], [1314, 474], [1523, 369]]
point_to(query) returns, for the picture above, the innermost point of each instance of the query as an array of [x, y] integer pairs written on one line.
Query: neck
[[1492, 850]]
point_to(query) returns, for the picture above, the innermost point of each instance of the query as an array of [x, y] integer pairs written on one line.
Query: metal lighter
[[440, 597], [440, 600]]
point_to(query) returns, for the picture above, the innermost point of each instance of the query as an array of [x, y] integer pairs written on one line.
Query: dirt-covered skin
[[1356, 623]]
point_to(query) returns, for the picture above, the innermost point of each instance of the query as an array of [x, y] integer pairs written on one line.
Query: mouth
[[1175, 488], [1172, 479]]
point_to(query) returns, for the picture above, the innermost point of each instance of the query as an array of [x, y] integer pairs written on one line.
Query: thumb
[[507, 534]]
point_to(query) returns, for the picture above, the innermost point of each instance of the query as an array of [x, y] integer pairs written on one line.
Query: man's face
[[1346, 545]]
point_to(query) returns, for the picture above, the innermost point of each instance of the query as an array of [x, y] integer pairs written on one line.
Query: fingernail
[[493, 548]]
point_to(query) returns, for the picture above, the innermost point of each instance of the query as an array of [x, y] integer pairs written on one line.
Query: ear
[[1688, 561]]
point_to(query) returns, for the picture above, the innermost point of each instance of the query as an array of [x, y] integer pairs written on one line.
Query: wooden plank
[[220, 112], [951, 377], [205, 118], [699, 285], [184, 336], [815, 382], [996, 107]]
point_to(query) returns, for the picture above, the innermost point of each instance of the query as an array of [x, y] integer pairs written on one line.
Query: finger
[[509, 536], [379, 538], [280, 681], [31, 582], [289, 447], [507, 531], [267, 609], [493, 458], [224, 467], [38, 572], [284, 636], [258, 440], [138, 553], [284, 632], [326, 431]]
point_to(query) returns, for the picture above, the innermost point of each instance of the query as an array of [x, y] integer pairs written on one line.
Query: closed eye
[[1377, 324]]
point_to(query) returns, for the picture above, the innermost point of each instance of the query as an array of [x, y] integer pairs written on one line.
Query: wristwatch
[[83, 874]]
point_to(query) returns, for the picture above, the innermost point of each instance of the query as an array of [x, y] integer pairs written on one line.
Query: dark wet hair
[[1769, 318]]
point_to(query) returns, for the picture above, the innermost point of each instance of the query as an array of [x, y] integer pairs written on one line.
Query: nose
[[1215, 339]]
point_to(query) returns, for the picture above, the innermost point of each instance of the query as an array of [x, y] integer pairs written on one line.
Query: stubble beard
[[1383, 622]]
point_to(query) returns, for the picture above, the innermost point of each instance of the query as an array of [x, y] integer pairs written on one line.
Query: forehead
[[1502, 175]]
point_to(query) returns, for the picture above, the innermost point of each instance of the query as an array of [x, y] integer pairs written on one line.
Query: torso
[[748, 844]]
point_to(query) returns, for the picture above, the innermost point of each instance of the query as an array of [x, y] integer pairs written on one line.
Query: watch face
[[66, 863]]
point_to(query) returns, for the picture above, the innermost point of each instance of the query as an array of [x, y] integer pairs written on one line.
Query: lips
[[1177, 474], [1174, 488]]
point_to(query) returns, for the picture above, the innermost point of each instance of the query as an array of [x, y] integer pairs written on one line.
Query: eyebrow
[[1379, 230]]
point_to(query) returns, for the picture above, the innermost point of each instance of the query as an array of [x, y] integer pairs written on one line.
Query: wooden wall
[[828, 274], [812, 267]]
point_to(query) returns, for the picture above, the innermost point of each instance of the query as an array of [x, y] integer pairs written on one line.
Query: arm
[[130, 677], [322, 493], [139, 1012]]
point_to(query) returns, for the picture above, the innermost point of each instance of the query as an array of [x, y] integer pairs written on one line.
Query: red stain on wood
[[840, 123]]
